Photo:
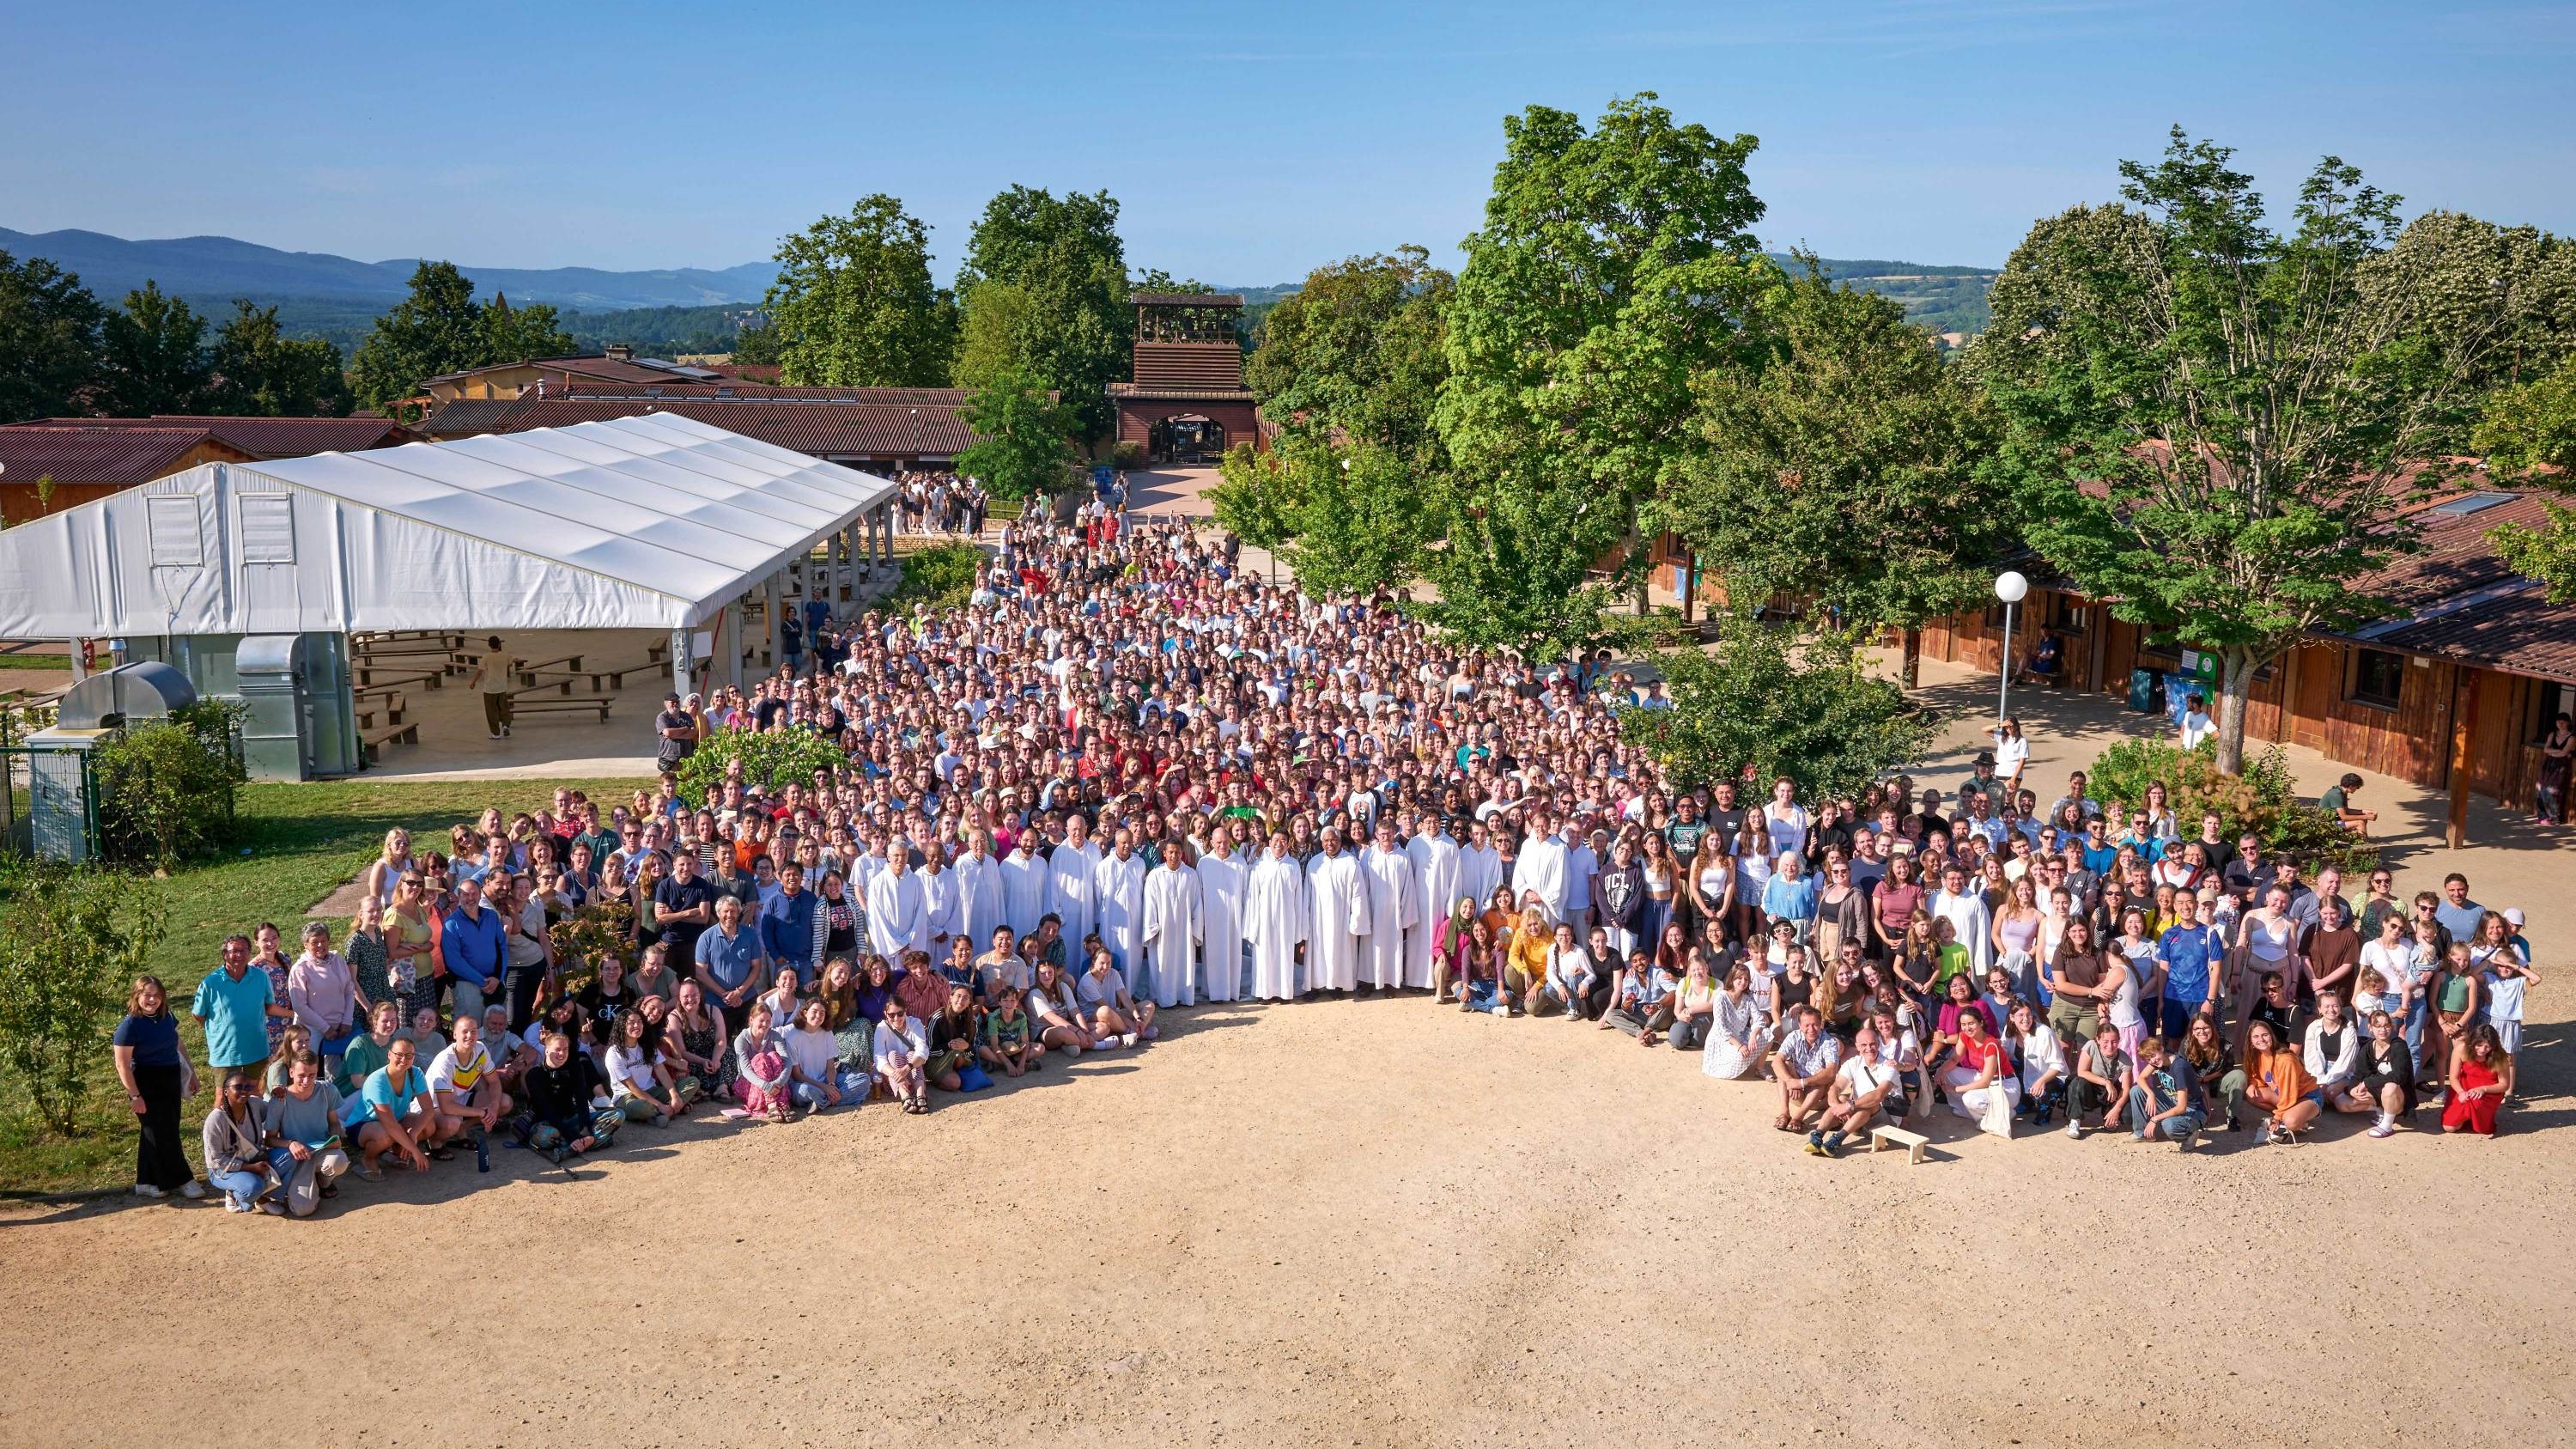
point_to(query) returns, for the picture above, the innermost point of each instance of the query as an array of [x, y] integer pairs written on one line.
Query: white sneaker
[[145, 1189], [193, 1190], [2384, 1127], [2075, 1132], [1127, 1038]]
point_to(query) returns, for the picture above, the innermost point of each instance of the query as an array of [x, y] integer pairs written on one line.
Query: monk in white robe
[[1173, 922], [1118, 884], [1276, 920], [1439, 882], [1338, 890], [1392, 908], [1025, 876], [898, 917], [1222, 877], [1073, 885], [980, 905]]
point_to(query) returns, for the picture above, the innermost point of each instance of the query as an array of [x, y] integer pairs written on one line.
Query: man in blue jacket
[[477, 957], [787, 925]]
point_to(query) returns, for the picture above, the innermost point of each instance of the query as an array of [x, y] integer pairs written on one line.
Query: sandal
[[441, 1154]]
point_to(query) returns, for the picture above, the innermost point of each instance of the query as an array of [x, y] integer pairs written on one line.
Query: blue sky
[[1246, 142]]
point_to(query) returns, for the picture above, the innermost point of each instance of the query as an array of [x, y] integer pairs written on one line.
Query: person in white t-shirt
[[1863, 1083], [2196, 723], [464, 1086]]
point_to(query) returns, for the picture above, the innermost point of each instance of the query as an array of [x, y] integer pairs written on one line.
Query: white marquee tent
[[651, 522]]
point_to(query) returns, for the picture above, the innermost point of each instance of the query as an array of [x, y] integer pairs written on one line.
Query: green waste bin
[[2142, 690]]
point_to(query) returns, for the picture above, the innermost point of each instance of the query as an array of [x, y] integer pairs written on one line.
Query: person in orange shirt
[[2277, 1080]]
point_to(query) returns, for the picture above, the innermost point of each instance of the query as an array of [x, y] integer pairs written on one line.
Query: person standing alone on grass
[[153, 1064], [492, 681]]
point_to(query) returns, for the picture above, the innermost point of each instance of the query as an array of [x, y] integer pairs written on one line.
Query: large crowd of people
[[1130, 777]]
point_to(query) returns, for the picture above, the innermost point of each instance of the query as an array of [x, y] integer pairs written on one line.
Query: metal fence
[[50, 807]]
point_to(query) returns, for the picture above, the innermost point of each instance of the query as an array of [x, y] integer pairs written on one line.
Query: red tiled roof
[[1142, 393], [904, 396], [108, 451], [301, 437], [2452, 597], [822, 429]]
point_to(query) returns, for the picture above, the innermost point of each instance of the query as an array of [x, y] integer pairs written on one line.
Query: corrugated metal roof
[[117, 451]]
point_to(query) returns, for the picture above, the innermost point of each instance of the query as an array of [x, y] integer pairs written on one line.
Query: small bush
[[71, 942], [601, 928], [2263, 801], [1130, 455], [166, 787], [942, 577], [771, 760]]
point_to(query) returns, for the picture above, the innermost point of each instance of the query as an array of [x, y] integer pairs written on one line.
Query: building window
[[2549, 700], [2378, 678]]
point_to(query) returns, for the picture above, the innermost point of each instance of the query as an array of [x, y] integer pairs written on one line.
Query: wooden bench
[[602, 681], [393, 734], [389, 703], [395, 676], [1917, 1147], [563, 706], [560, 683], [659, 652], [408, 636], [528, 672]]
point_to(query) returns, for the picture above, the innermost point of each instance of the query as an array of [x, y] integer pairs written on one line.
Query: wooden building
[[875, 429], [616, 367], [1187, 402], [2455, 686], [91, 458]]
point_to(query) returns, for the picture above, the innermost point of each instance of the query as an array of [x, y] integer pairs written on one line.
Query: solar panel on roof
[[2468, 503]]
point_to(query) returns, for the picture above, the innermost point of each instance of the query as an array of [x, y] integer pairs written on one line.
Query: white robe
[[1438, 885], [1024, 892], [1221, 930], [942, 911], [1073, 894], [979, 899], [1339, 893], [1480, 873], [1545, 866], [1120, 888], [1276, 921], [898, 920], [1173, 923], [1392, 910]]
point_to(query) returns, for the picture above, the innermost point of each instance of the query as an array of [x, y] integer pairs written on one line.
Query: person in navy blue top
[[153, 1064]]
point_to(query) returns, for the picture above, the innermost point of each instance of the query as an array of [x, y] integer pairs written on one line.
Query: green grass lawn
[[35, 661], [297, 844]]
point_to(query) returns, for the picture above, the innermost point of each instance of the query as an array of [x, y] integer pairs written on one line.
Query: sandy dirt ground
[[1361, 1223]]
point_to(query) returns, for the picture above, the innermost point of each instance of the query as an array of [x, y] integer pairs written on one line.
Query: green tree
[[2531, 429], [1766, 701], [71, 942], [517, 334], [1358, 514], [854, 304], [2207, 422], [1023, 436], [1613, 267], [992, 316], [1360, 348], [49, 340], [1845, 467], [1257, 498], [758, 345], [260, 372], [436, 328], [1064, 256], [153, 356]]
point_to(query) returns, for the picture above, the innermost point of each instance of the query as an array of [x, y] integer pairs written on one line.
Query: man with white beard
[[1339, 892], [1393, 908], [1024, 885], [1480, 866], [1437, 885], [898, 919], [1221, 881], [979, 888], [1119, 888], [1276, 919], [1173, 923], [1073, 885]]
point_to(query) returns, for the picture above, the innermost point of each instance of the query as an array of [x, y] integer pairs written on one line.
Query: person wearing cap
[[675, 732]]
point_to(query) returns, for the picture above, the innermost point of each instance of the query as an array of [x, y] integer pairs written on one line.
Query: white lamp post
[[2010, 587]]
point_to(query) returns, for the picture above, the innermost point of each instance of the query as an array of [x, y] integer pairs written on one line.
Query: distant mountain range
[[215, 269], [338, 297]]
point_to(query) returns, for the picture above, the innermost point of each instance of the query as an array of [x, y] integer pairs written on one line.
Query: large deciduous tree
[[1614, 265], [2210, 422], [1067, 269], [1842, 465], [49, 340], [1360, 349], [439, 328], [153, 356], [261, 372], [854, 304], [2531, 429], [1023, 436], [1768, 700]]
